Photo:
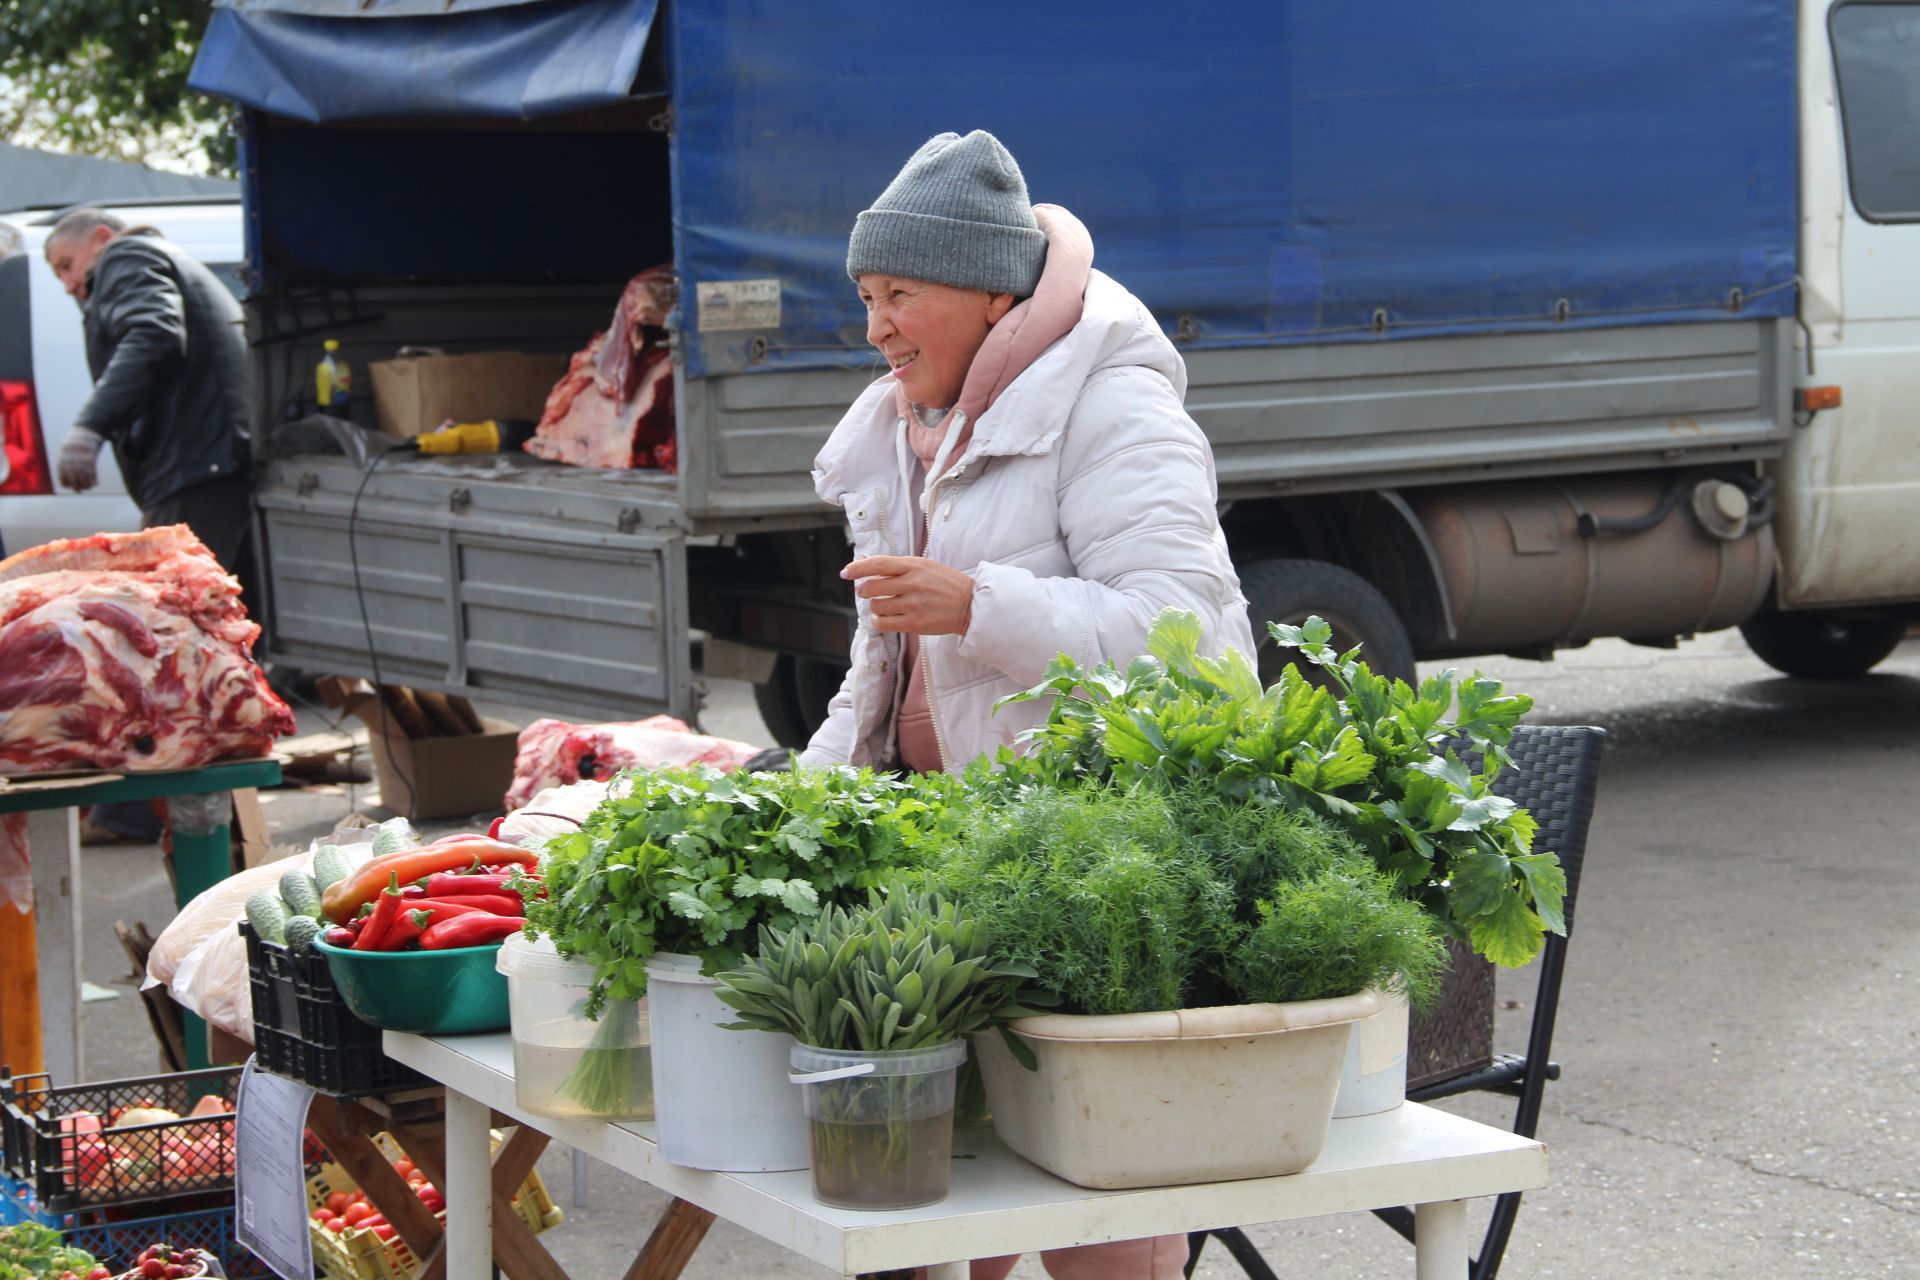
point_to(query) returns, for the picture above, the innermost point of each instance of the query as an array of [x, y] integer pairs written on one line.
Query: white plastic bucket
[[1374, 1077], [880, 1123], [564, 1064], [721, 1098]]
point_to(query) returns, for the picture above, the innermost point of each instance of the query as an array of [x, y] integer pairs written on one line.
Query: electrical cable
[[366, 624]]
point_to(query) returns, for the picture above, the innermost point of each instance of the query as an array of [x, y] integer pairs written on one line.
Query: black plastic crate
[[71, 1168], [303, 1030]]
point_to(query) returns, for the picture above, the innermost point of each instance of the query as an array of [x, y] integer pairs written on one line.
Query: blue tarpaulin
[[1260, 173], [338, 60], [1266, 173]]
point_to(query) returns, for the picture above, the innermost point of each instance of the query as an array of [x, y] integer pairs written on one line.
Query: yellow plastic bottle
[[332, 381]]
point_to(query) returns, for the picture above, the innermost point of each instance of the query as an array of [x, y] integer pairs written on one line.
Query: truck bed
[[500, 577]]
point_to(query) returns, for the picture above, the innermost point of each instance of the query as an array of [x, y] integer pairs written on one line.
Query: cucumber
[[329, 866], [268, 915], [394, 836], [301, 931], [301, 894]]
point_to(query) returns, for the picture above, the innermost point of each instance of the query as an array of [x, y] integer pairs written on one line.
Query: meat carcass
[[555, 753], [128, 651], [614, 407]]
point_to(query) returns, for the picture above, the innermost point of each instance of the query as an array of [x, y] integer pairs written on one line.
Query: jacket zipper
[[926, 664], [886, 533]]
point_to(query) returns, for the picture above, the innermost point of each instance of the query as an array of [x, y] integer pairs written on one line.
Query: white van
[[43, 368]]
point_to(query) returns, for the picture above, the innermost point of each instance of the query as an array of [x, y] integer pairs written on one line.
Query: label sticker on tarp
[[738, 304]]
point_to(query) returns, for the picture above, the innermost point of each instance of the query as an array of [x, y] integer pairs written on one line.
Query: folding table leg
[[202, 858], [53, 842], [675, 1237], [1440, 1240], [468, 1188]]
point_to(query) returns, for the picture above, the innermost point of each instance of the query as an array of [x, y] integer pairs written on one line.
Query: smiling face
[[929, 333], [71, 258]]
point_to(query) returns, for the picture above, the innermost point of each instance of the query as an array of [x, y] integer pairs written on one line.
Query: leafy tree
[[109, 78]]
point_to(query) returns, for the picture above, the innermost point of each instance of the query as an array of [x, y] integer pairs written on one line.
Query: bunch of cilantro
[[1378, 757], [695, 861]]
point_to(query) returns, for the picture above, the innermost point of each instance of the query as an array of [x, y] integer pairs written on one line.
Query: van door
[[1850, 482]]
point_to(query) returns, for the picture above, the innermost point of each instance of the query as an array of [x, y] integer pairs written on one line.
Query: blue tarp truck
[[1512, 325]]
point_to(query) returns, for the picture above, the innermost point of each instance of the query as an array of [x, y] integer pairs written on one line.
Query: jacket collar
[[1115, 329]]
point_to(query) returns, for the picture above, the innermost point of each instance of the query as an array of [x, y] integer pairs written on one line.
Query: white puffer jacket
[[1083, 505]]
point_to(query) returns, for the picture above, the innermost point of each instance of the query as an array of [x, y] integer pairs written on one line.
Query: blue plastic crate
[[117, 1244]]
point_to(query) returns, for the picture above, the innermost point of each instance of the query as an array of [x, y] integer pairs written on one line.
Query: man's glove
[[78, 466], [772, 760]]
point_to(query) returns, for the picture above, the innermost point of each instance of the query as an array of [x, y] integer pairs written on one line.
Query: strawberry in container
[[162, 1261]]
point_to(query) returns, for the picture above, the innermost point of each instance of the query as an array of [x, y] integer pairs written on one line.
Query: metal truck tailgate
[[550, 588]]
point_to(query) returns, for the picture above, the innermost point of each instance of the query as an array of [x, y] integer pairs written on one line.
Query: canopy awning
[[337, 60]]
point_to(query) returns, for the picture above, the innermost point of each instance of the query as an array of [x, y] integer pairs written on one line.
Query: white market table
[[998, 1203]]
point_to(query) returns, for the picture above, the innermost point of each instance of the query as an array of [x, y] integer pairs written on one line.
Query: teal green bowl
[[433, 993]]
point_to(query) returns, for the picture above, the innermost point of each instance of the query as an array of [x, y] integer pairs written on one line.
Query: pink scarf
[[1012, 345], [1022, 334]]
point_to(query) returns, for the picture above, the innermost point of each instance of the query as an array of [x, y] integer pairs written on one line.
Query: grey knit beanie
[[956, 214]]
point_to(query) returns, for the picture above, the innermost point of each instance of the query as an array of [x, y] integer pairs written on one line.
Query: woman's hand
[[914, 594]]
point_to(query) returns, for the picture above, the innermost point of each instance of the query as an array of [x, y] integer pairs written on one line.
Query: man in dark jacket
[[168, 351], [171, 390]]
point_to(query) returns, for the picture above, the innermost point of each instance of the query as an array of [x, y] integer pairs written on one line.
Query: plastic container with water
[[563, 1064], [879, 1124], [722, 1100]]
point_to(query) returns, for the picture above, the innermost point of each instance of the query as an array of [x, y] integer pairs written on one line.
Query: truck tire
[[793, 700], [1290, 590], [1816, 645]]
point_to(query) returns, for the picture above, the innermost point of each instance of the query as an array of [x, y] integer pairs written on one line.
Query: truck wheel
[[1820, 645], [793, 700], [1290, 590]]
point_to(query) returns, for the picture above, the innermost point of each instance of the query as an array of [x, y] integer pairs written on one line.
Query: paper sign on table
[[270, 1175]]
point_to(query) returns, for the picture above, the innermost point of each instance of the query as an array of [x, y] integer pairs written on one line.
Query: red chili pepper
[[469, 931], [340, 936], [499, 904], [493, 832], [373, 936], [343, 899], [459, 882], [440, 910], [409, 924]]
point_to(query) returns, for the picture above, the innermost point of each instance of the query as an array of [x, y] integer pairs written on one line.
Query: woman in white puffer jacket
[[1023, 483]]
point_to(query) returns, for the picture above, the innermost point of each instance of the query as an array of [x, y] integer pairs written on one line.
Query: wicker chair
[[1555, 775]]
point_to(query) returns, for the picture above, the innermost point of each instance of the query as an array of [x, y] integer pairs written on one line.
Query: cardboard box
[[446, 777], [436, 777], [415, 394]]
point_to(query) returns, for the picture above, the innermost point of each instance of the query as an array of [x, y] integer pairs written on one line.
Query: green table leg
[[199, 863]]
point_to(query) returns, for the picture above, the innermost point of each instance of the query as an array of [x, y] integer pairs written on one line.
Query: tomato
[[357, 1212], [384, 1230], [403, 1167], [337, 1201], [336, 1225], [322, 1214], [154, 1268]]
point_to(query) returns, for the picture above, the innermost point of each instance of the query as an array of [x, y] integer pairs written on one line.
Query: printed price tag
[[270, 1175]]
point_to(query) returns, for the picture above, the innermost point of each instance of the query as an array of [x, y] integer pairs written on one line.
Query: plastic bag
[[556, 811], [201, 958]]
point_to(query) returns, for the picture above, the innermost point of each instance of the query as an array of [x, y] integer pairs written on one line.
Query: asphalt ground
[[1738, 1026]]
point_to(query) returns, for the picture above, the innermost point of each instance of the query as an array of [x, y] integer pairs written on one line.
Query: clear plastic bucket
[[563, 1064], [721, 1098], [879, 1125]]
